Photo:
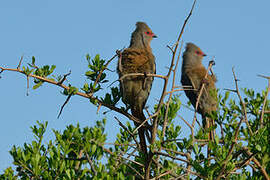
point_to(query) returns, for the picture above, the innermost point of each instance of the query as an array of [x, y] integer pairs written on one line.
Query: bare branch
[[264, 101], [126, 129], [155, 123], [167, 155], [231, 149], [244, 111], [88, 96]]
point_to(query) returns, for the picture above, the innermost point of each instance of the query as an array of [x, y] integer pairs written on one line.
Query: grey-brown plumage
[[138, 58], [193, 74]]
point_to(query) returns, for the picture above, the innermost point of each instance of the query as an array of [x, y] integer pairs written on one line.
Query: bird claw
[[119, 53], [205, 81], [212, 62], [145, 74]]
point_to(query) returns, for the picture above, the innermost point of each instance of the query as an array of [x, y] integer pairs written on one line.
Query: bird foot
[[205, 81], [212, 63]]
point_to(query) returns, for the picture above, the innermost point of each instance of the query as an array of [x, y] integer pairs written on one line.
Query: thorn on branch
[[20, 62], [232, 90], [62, 107], [266, 77], [99, 106], [27, 88], [64, 78], [170, 48]]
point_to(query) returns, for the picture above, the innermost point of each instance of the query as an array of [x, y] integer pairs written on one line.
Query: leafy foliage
[[240, 149]]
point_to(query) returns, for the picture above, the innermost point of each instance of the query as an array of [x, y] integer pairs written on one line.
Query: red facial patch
[[200, 53], [149, 33]]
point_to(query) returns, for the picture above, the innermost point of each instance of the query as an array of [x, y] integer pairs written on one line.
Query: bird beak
[[204, 55], [154, 36]]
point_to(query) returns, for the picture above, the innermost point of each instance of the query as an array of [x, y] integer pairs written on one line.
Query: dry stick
[[194, 173], [231, 150], [177, 90], [141, 176], [242, 103], [170, 97], [238, 127], [155, 124], [191, 128], [169, 72], [187, 155], [265, 99], [120, 156], [262, 169], [91, 164], [126, 129], [170, 156], [163, 174], [168, 102], [240, 165]]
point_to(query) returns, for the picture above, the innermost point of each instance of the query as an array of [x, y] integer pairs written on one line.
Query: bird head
[[142, 36], [192, 56], [195, 51]]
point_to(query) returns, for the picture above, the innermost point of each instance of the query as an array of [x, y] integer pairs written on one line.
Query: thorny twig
[[126, 129], [244, 111], [64, 77], [237, 129], [155, 123], [62, 107], [165, 123], [264, 101], [258, 164], [85, 95]]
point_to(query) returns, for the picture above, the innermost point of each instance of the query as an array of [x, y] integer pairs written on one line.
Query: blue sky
[[63, 32]]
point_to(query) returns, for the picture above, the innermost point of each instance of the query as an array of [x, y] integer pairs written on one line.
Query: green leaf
[[258, 147], [33, 60], [37, 85], [196, 148], [89, 73]]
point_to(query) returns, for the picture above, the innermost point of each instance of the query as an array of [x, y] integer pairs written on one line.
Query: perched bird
[[193, 75], [137, 58]]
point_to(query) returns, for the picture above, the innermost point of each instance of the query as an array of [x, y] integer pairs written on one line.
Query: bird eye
[[147, 32], [199, 52]]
